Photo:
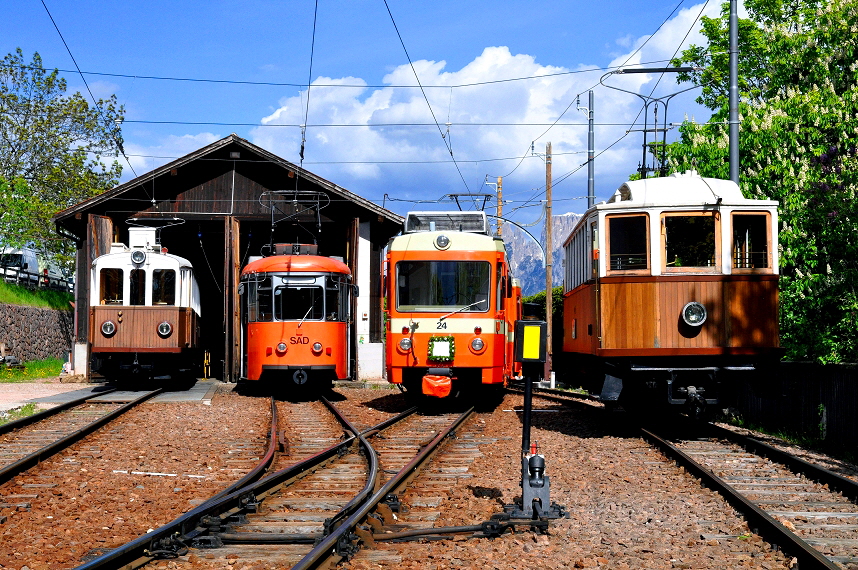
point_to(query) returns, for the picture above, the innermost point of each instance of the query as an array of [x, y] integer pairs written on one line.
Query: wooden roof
[[99, 204]]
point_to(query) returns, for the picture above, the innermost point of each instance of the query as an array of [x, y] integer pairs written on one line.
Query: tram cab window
[[110, 285], [750, 241], [690, 242], [138, 287], [296, 303], [627, 243], [443, 285], [164, 287]]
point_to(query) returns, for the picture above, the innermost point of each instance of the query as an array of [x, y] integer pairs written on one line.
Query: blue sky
[[453, 46]]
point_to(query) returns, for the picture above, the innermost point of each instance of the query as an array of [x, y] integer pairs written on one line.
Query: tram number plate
[[442, 325]]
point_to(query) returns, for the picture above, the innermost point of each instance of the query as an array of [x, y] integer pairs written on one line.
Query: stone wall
[[31, 333]]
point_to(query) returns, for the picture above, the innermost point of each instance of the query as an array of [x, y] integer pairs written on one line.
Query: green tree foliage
[[799, 131], [53, 152]]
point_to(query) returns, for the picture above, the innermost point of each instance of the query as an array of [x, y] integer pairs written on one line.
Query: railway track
[[338, 494], [26, 442], [806, 510]]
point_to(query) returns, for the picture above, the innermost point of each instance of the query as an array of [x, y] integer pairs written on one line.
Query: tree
[[54, 150], [799, 131]]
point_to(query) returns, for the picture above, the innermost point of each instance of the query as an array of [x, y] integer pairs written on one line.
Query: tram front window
[[299, 303], [443, 285]]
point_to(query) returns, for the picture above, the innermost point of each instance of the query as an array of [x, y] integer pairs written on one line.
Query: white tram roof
[[680, 189], [120, 256]]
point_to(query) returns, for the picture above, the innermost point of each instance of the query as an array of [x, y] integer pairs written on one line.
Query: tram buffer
[[530, 350]]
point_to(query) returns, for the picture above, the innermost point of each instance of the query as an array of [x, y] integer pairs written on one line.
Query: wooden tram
[[145, 311], [296, 318], [671, 290], [451, 306]]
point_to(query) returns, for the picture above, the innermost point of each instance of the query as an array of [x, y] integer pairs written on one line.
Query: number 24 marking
[[442, 325]]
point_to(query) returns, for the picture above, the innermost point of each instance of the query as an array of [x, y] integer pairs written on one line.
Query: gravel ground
[[629, 507], [90, 498]]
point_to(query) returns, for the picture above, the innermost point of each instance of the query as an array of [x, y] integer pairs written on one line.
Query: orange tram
[[671, 292], [451, 306], [296, 318]]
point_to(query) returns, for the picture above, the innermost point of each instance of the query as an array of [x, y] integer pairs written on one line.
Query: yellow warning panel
[[532, 336]]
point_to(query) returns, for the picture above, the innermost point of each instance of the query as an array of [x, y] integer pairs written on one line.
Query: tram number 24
[[441, 325]]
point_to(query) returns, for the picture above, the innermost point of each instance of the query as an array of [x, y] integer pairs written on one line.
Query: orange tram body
[[451, 306], [296, 318], [671, 292]]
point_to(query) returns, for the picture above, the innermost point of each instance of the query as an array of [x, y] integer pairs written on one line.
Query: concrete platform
[[48, 395]]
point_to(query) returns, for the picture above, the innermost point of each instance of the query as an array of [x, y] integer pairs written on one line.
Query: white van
[[19, 266]]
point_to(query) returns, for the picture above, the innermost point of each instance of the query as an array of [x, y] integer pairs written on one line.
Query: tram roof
[[680, 189], [296, 264]]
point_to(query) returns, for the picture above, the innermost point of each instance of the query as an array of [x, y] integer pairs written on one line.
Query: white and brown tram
[[144, 311], [671, 290]]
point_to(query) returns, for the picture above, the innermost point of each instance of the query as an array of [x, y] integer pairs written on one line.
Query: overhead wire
[[446, 142], [94, 100], [639, 48]]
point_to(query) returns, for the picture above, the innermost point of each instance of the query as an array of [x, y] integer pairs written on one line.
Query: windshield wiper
[[305, 316], [465, 308]]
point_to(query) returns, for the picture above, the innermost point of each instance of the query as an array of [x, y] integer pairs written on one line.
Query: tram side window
[[332, 300], [750, 241], [110, 285], [627, 243], [689, 241], [164, 287], [299, 303]]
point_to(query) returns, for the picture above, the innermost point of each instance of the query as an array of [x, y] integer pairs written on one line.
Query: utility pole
[[548, 261], [500, 206], [591, 151], [734, 92]]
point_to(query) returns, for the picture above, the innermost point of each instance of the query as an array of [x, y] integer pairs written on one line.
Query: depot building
[[226, 196]]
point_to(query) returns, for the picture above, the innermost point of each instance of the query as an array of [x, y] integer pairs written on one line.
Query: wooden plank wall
[[138, 327]]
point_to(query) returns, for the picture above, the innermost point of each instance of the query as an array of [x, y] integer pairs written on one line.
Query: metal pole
[[734, 91], [525, 421], [548, 261], [591, 149], [500, 205]]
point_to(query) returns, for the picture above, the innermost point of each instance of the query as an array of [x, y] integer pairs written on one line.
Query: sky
[[506, 76]]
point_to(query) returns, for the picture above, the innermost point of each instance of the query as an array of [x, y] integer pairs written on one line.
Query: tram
[[451, 306], [144, 311], [296, 317]]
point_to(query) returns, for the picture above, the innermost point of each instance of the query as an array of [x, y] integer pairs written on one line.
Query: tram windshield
[[295, 303], [443, 285]]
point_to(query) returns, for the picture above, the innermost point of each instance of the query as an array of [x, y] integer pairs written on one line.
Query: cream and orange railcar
[[296, 318], [451, 306], [145, 311], [671, 290]]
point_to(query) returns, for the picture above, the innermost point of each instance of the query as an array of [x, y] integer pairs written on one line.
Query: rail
[[13, 469], [209, 517], [759, 520]]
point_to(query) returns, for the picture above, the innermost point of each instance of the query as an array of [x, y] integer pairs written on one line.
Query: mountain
[[526, 256]]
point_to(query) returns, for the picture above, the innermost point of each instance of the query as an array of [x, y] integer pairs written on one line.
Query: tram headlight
[[405, 344], [694, 314], [138, 256], [165, 329], [108, 328], [281, 347], [317, 347], [442, 242], [477, 344]]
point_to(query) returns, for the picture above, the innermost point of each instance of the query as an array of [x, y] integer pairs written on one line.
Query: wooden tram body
[[145, 311], [296, 318], [671, 289], [451, 305]]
